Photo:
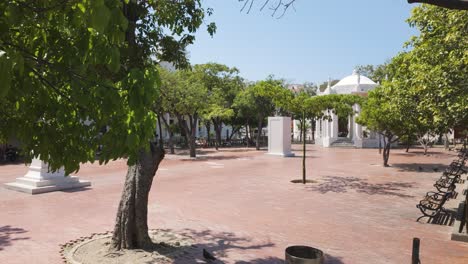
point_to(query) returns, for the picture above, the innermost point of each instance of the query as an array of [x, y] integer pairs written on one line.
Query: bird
[[435, 169], [420, 168], [207, 255]]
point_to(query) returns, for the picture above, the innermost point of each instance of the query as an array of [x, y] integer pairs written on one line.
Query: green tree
[[426, 86], [261, 100], [188, 102], [376, 73], [223, 84], [70, 68], [439, 66], [163, 104], [304, 107], [380, 113]]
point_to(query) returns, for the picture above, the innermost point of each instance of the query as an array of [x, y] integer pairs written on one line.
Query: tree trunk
[[161, 142], [171, 143], [257, 144], [171, 135], [131, 225], [408, 143], [446, 141], [218, 128], [247, 134], [303, 131], [301, 126], [208, 131], [386, 150], [193, 129], [190, 133], [183, 127], [380, 143], [313, 124], [234, 131], [424, 143]]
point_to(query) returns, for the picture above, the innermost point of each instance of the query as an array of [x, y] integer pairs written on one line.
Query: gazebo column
[[39, 179], [334, 131], [317, 129], [326, 128], [357, 128], [350, 127]]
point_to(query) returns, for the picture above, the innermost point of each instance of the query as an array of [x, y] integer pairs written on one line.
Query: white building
[[344, 131]]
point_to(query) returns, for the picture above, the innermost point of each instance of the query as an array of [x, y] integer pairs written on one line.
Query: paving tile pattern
[[241, 206]]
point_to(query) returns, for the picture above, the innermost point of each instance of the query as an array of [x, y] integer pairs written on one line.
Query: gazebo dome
[[354, 83]]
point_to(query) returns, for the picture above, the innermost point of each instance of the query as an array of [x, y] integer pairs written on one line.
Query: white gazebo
[[344, 131]]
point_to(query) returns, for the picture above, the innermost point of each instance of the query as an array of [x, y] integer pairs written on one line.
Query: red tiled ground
[[241, 206]]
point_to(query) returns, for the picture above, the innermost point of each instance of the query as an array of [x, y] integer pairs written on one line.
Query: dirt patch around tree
[[95, 249]]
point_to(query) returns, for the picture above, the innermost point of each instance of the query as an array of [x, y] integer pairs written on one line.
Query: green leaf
[[114, 61], [82, 7], [100, 16]]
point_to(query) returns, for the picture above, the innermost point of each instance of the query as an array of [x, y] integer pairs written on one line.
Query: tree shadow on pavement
[[274, 260], [209, 158], [337, 184], [329, 259], [219, 244], [423, 167], [267, 260], [8, 234], [250, 149]]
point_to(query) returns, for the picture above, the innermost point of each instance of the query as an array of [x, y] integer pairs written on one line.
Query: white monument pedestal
[[39, 180], [279, 136]]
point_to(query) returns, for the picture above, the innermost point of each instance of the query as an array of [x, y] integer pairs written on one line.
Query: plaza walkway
[[241, 206]]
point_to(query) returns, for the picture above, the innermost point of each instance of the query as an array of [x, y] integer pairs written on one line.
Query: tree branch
[[450, 4], [284, 4]]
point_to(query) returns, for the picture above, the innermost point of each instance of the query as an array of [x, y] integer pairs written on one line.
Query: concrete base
[[327, 141], [456, 234], [33, 186], [357, 143], [39, 179], [279, 136], [290, 154]]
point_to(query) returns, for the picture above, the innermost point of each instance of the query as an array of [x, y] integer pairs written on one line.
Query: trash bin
[[303, 255]]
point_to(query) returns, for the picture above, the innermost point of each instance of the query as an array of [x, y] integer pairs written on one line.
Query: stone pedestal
[[40, 180], [279, 136]]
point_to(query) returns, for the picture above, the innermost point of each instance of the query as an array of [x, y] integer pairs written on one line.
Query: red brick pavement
[[241, 206]]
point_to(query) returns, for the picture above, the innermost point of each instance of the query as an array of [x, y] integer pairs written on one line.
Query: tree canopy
[[67, 70]]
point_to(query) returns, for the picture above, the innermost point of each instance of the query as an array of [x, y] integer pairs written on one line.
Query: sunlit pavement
[[241, 206]]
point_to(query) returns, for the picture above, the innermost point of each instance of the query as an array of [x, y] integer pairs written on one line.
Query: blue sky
[[320, 39]]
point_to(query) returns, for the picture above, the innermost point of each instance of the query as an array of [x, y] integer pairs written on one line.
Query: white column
[[357, 136], [39, 179], [279, 136], [334, 126], [350, 126]]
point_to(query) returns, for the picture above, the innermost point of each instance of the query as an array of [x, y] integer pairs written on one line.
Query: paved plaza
[[240, 205]]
